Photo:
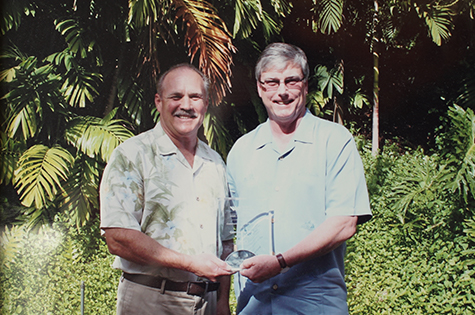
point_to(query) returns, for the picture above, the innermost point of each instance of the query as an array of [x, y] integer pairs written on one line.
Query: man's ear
[[158, 103], [259, 89]]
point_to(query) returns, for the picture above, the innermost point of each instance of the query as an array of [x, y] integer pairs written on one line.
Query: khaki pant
[[133, 298]]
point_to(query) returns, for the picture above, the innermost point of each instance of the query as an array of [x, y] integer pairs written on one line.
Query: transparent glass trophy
[[254, 237]]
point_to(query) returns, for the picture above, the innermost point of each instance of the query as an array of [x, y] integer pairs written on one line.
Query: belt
[[199, 288]]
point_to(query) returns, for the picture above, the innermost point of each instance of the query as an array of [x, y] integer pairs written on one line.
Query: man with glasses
[[305, 175]]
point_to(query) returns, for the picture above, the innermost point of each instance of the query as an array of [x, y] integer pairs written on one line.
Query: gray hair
[[278, 56], [183, 65]]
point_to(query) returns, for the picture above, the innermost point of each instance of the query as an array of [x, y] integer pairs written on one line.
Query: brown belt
[[199, 288]]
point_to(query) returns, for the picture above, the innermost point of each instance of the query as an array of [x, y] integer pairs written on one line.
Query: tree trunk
[[375, 50], [337, 112]]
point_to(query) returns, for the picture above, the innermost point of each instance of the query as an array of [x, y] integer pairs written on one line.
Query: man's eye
[[291, 82], [272, 83]]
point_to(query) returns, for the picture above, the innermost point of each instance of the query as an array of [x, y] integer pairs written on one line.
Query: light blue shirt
[[280, 197]]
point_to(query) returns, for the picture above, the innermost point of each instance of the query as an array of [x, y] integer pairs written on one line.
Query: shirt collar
[[305, 129], [303, 133], [166, 146]]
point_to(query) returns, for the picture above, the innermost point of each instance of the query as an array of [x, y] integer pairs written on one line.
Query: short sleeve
[[121, 191]]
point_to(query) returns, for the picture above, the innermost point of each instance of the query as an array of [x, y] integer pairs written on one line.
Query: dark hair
[[178, 66], [279, 55]]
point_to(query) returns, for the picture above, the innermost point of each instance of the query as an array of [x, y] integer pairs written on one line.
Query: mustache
[[190, 113]]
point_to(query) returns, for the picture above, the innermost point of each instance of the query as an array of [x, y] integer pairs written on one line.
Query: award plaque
[[257, 235], [254, 237]]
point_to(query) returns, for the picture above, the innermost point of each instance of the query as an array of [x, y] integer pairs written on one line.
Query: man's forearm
[[325, 238], [140, 248]]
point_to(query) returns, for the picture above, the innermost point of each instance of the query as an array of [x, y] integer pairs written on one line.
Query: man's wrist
[[283, 264]]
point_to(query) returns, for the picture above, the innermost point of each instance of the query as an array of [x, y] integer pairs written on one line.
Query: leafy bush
[[413, 256], [42, 271]]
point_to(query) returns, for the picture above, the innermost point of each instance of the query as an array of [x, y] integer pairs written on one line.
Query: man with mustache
[[164, 211], [299, 191]]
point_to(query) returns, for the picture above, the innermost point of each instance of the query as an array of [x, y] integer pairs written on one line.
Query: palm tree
[[104, 56], [385, 21]]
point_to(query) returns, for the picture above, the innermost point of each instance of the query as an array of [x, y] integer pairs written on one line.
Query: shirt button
[[275, 287], [197, 198], [201, 226]]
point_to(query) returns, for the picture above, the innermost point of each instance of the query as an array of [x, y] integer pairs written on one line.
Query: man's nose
[[186, 103], [282, 88]]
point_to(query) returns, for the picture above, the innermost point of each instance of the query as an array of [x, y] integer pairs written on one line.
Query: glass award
[[257, 235], [236, 258]]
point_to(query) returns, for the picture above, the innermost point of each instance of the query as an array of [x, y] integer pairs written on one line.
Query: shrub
[[42, 272], [411, 258]]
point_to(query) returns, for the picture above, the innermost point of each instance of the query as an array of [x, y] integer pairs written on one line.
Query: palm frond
[[248, 15], [13, 52], [81, 190], [207, 35], [10, 153], [131, 95], [12, 13], [329, 16], [217, 135], [462, 143], [33, 90], [328, 80], [75, 37], [97, 137], [78, 84], [439, 21], [143, 12], [359, 99], [40, 173], [10, 244], [281, 7]]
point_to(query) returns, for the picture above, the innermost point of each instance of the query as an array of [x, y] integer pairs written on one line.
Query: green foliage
[[41, 272], [470, 252], [456, 143], [330, 16], [414, 256], [248, 15], [216, 133]]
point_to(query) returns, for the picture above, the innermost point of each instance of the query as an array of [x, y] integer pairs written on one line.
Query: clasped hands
[[260, 268], [257, 269]]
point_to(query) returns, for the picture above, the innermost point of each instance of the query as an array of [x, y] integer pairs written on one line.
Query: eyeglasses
[[290, 83]]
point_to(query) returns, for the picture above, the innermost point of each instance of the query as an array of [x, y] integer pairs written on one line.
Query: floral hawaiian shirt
[[149, 186]]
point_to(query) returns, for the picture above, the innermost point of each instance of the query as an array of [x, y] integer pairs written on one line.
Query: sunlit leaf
[[329, 15], [439, 21], [248, 15], [96, 137], [39, 174], [207, 35], [217, 135]]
